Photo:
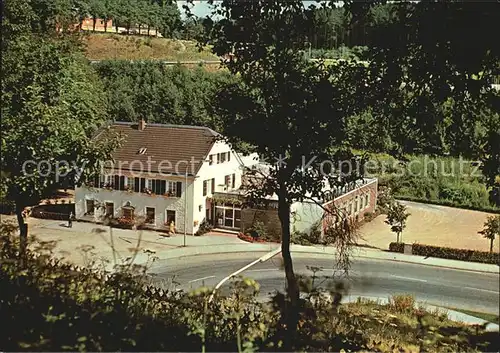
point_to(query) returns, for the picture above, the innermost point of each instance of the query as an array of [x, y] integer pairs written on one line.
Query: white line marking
[[410, 278], [263, 270], [201, 279], [483, 290]]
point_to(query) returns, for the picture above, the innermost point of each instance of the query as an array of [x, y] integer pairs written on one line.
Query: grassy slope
[[439, 180], [102, 46]]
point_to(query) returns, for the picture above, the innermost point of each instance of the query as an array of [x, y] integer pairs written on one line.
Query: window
[[361, 200], [90, 205], [174, 188], [149, 184], [211, 159], [128, 212], [356, 205], [110, 212], [367, 200], [139, 184], [150, 215], [205, 187], [227, 181], [130, 183], [350, 208], [223, 157]]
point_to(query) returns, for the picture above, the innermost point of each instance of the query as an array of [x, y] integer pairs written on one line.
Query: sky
[[201, 8]]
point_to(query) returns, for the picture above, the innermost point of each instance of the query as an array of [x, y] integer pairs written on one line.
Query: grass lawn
[[105, 46]]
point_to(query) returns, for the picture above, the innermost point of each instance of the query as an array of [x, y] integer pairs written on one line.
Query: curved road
[[368, 278]]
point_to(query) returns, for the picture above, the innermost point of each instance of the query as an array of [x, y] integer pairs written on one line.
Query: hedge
[[449, 253]]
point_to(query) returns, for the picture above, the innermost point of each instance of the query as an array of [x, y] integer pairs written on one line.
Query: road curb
[[300, 249]]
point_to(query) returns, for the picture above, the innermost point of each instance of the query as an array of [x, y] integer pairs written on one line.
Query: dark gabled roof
[[171, 148]]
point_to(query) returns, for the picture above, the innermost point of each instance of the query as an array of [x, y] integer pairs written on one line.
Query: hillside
[[104, 46]]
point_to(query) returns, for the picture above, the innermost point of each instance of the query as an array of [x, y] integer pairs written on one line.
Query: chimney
[[142, 124]]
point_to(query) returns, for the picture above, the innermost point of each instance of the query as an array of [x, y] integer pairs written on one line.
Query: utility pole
[[185, 205]]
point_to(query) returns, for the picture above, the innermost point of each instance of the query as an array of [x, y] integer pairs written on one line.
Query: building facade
[[163, 174]]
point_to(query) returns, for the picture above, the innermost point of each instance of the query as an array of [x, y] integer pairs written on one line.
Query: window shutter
[[179, 189], [205, 188], [233, 181], [157, 187], [122, 182], [213, 185], [229, 156], [218, 158], [163, 187], [143, 184], [116, 182], [137, 185]]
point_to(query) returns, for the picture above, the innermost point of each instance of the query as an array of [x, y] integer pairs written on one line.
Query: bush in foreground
[[50, 306]]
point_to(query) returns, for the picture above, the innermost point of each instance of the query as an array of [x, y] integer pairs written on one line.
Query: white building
[[164, 173]]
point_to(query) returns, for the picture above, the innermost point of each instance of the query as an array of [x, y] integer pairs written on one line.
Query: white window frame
[[171, 188], [130, 183]]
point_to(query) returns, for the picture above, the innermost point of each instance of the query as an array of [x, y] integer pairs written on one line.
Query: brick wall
[[343, 201]]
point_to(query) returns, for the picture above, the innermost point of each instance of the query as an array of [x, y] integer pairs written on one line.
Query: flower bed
[[250, 239]]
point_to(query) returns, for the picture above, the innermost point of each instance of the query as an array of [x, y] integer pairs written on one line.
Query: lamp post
[[185, 205]]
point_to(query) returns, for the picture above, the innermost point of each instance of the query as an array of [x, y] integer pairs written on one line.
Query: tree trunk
[[292, 314], [106, 25], [491, 244], [94, 20], [149, 27], [23, 232]]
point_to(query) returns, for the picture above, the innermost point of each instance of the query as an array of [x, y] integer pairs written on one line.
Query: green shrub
[[51, 306], [308, 238], [449, 253], [205, 227], [258, 230]]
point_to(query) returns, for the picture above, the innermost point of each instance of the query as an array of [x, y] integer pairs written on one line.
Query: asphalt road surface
[[367, 278]]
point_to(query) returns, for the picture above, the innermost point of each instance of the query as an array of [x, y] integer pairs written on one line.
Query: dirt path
[[433, 225]]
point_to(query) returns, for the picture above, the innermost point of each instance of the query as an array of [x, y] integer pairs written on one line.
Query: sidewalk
[[69, 243]]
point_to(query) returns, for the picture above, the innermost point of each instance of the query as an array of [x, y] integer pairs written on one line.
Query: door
[[90, 205], [170, 217], [110, 210], [229, 217]]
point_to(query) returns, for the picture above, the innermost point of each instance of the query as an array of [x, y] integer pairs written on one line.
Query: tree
[[426, 56], [396, 218], [51, 106], [491, 229], [286, 109]]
